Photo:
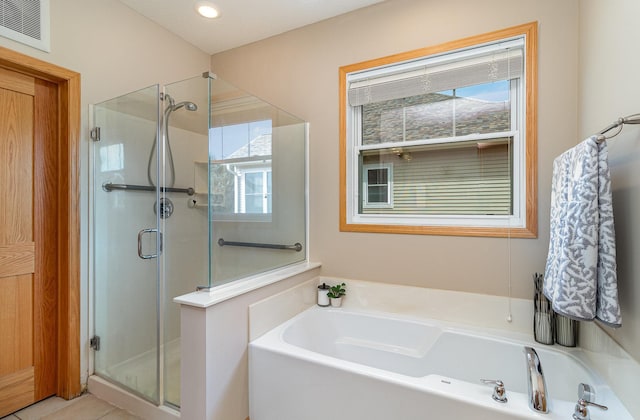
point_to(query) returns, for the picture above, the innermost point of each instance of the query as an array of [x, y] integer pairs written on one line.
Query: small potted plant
[[335, 294]]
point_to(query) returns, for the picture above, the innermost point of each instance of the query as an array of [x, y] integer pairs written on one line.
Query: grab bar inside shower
[[108, 187], [295, 247]]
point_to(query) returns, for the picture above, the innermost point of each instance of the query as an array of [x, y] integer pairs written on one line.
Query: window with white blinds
[[474, 66], [453, 126]]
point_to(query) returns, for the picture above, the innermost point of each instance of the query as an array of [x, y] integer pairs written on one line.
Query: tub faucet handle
[[581, 412], [499, 392], [586, 395]]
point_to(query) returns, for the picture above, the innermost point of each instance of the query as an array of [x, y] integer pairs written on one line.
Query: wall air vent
[[26, 21]]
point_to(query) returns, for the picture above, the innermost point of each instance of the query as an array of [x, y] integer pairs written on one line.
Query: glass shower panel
[[183, 181], [256, 185], [125, 239], [184, 263]]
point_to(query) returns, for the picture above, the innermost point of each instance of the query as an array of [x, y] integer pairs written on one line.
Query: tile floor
[[85, 407]]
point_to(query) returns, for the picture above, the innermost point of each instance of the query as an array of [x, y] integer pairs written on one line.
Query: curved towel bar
[[630, 119]]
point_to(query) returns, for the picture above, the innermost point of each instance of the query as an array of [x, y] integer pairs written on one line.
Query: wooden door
[[29, 165]]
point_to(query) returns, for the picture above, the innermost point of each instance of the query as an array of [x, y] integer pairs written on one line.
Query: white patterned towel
[[580, 276]]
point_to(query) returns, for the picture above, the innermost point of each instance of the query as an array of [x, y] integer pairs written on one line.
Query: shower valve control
[[499, 392], [163, 208]]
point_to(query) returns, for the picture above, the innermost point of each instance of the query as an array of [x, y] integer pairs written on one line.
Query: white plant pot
[[336, 302]]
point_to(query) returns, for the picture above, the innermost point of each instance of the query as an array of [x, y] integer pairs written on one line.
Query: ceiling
[[241, 21]]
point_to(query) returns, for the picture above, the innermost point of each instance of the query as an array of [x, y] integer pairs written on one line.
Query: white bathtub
[[343, 364]]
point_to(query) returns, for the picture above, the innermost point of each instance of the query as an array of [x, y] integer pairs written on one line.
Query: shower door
[[127, 242], [184, 261]]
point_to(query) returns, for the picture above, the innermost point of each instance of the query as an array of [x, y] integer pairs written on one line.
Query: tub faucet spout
[[535, 381]]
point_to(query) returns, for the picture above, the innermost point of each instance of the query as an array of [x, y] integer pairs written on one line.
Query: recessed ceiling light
[[207, 9]]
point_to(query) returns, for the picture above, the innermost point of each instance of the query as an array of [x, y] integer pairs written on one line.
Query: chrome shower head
[[172, 106], [189, 106]]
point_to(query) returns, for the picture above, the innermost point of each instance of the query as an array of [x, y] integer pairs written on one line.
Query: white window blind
[[475, 66]]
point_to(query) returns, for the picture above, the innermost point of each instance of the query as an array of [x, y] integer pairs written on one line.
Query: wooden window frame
[[530, 228]]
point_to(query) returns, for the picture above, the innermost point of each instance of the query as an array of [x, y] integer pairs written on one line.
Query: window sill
[[530, 232]]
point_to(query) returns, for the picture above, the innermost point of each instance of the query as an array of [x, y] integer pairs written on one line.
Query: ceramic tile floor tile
[[86, 407], [43, 408], [119, 414]]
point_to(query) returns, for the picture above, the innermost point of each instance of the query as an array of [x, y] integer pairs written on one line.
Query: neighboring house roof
[[431, 116], [260, 146]]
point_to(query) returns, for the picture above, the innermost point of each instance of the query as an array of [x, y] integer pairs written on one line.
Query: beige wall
[[116, 51], [609, 88], [114, 48], [298, 71]]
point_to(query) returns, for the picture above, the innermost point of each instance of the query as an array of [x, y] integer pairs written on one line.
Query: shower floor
[[139, 373]]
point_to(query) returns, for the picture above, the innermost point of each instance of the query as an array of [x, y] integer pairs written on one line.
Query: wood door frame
[[68, 220]]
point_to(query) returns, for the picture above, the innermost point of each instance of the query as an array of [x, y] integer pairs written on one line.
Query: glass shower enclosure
[[195, 183]]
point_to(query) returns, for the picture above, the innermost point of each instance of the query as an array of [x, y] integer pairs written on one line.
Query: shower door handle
[[140, 235]]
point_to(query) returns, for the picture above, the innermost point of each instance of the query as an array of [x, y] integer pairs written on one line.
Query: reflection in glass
[[111, 157], [256, 183]]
